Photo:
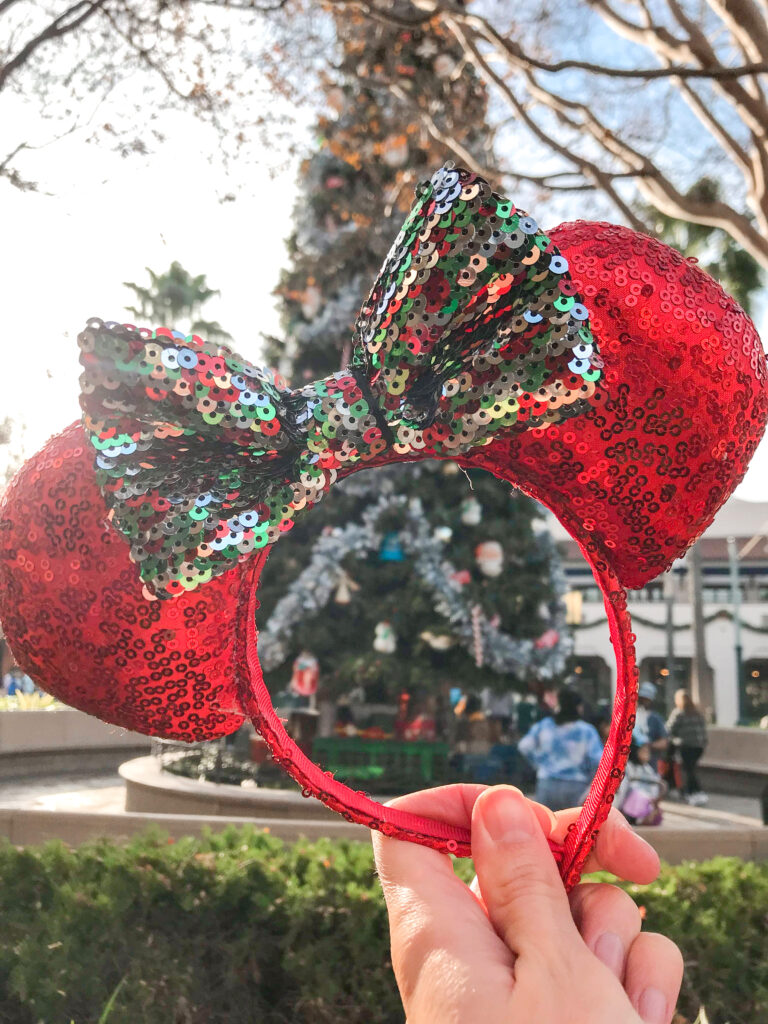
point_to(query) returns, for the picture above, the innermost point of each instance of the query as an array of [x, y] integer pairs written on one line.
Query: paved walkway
[[66, 792], [106, 794]]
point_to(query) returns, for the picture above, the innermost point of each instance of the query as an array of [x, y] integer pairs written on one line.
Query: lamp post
[[573, 600], [734, 557], [733, 566], [669, 599], [701, 683]]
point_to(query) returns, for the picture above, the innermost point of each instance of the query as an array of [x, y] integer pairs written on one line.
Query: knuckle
[[524, 884]]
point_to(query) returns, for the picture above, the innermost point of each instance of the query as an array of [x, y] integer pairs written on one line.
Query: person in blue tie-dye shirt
[[565, 751]]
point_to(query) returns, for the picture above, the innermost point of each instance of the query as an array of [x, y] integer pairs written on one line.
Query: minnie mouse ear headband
[[594, 368]]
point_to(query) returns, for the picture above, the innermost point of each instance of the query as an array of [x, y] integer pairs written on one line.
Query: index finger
[[618, 849]]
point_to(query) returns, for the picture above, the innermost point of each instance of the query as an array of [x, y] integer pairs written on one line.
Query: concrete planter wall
[[149, 789], [62, 742], [63, 728], [737, 745], [736, 761]]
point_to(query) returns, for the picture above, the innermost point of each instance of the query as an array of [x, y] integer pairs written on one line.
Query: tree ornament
[[461, 577], [427, 48], [395, 151], [438, 641], [311, 302], [490, 558], [306, 675], [336, 99], [547, 639], [477, 635], [385, 641], [345, 589], [444, 65], [314, 588], [471, 512], [443, 534], [391, 549]]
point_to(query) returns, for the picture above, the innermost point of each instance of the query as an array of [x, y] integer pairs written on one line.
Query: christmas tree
[[411, 578]]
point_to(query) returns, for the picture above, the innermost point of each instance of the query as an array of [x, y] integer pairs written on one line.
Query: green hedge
[[238, 927]]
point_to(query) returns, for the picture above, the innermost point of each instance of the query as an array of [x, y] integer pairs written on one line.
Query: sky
[[65, 256]]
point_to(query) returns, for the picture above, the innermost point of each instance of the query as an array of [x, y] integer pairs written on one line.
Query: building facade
[[739, 686]]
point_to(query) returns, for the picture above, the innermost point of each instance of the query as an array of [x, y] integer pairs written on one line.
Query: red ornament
[[547, 640], [462, 577], [306, 675]]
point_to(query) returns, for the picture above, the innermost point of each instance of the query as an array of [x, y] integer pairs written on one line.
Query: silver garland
[[502, 653]]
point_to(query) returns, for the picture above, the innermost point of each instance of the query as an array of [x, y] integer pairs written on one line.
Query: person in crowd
[[473, 733], [602, 722], [688, 733], [651, 723], [473, 736], [565, 751], [499, 709], [403, 716], [422, 727], [14, 682], [345, 720], [642, 789]]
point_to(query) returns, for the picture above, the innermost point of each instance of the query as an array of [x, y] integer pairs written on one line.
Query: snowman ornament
[[471, 512], [385, 641]]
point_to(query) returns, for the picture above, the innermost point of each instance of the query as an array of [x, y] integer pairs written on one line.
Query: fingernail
[[506, 816], [609, 949], [653, 1006]]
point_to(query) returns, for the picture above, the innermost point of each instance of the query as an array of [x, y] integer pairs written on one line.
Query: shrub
[[239, 927]]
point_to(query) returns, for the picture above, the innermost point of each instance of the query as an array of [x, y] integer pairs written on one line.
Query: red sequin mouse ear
[[681, 408], [72, 608]]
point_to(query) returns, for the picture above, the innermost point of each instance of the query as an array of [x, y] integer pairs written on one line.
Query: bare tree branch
[[591, 171], [466, 159], [515, 53], [145, 56], [715, 127], [9, 172], [245, 5], [746, 24], [64, 24], [752, 105]]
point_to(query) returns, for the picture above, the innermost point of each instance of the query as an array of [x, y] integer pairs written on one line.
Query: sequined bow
[[472, 328]]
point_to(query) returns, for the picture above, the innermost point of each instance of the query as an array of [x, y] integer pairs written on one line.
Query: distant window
[[590, 593]]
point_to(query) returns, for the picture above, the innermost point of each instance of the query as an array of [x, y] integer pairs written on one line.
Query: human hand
[[513, 948]]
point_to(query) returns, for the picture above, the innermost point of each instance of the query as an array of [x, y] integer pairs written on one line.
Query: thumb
[[521, 888]]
